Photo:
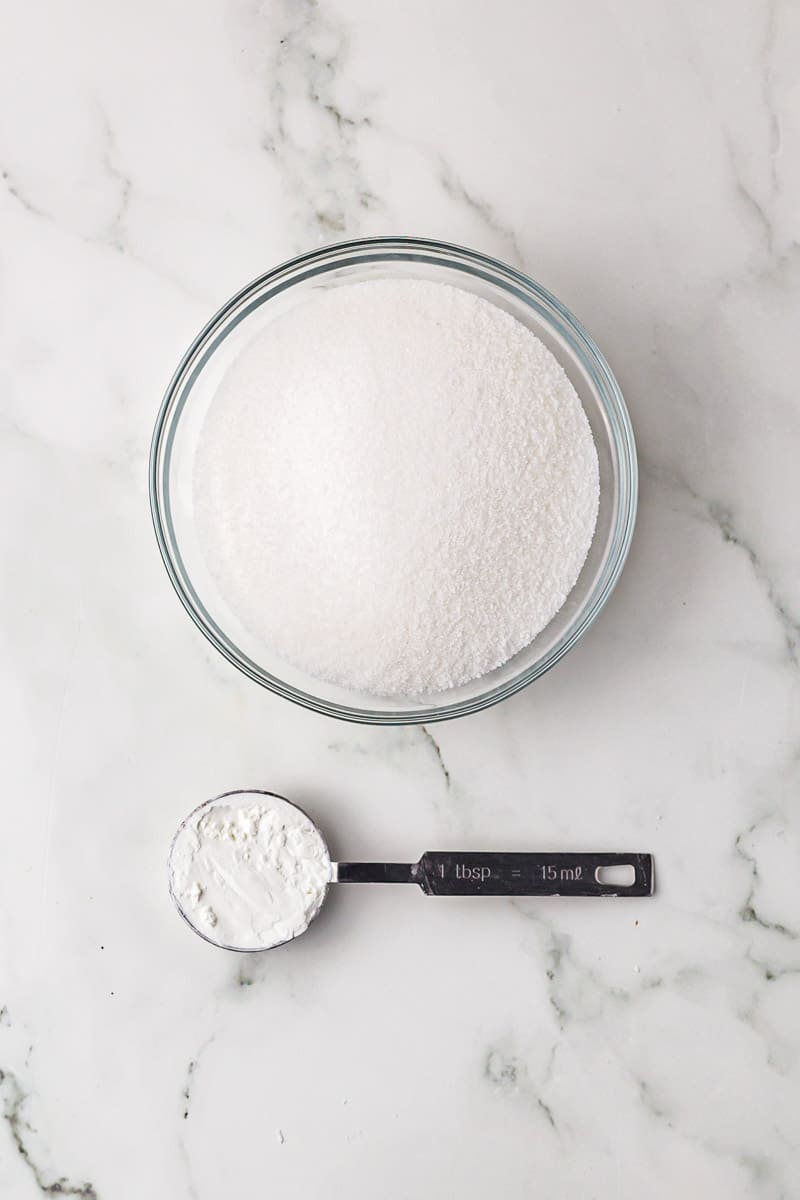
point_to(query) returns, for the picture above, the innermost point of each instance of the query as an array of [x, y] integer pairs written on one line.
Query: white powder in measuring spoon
[[249, 870], [396, 486]]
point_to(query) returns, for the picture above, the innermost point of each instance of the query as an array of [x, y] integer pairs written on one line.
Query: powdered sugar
[[396, 486]]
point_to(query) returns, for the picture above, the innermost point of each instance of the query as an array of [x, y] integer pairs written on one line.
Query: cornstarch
[[395, 487], [249, 870]]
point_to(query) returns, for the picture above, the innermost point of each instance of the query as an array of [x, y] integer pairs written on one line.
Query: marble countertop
[[642, 162]]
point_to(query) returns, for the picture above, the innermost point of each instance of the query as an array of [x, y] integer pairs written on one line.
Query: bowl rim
[[581, 343]]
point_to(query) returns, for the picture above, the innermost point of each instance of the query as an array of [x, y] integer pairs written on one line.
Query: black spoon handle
[[470, 873]]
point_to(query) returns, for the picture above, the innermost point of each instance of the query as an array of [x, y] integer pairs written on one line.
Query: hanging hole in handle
[[618, 875]]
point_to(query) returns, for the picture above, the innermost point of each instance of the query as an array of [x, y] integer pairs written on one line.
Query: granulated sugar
[[396, 486]]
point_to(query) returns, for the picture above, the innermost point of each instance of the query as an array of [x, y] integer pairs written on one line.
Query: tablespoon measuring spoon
[[250, 870]]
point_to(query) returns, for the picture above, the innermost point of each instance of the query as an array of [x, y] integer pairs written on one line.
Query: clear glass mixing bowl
[[208, 358]]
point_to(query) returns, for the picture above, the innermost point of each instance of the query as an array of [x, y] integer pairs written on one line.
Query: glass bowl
[[193, 387]]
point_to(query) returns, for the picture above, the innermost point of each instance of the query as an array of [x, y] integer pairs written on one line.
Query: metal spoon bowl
[[183, 830]]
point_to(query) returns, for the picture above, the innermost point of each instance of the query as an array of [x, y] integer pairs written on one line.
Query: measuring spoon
[[437, 872]]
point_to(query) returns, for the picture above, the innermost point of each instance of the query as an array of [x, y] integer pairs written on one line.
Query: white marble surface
[[641, 160]]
